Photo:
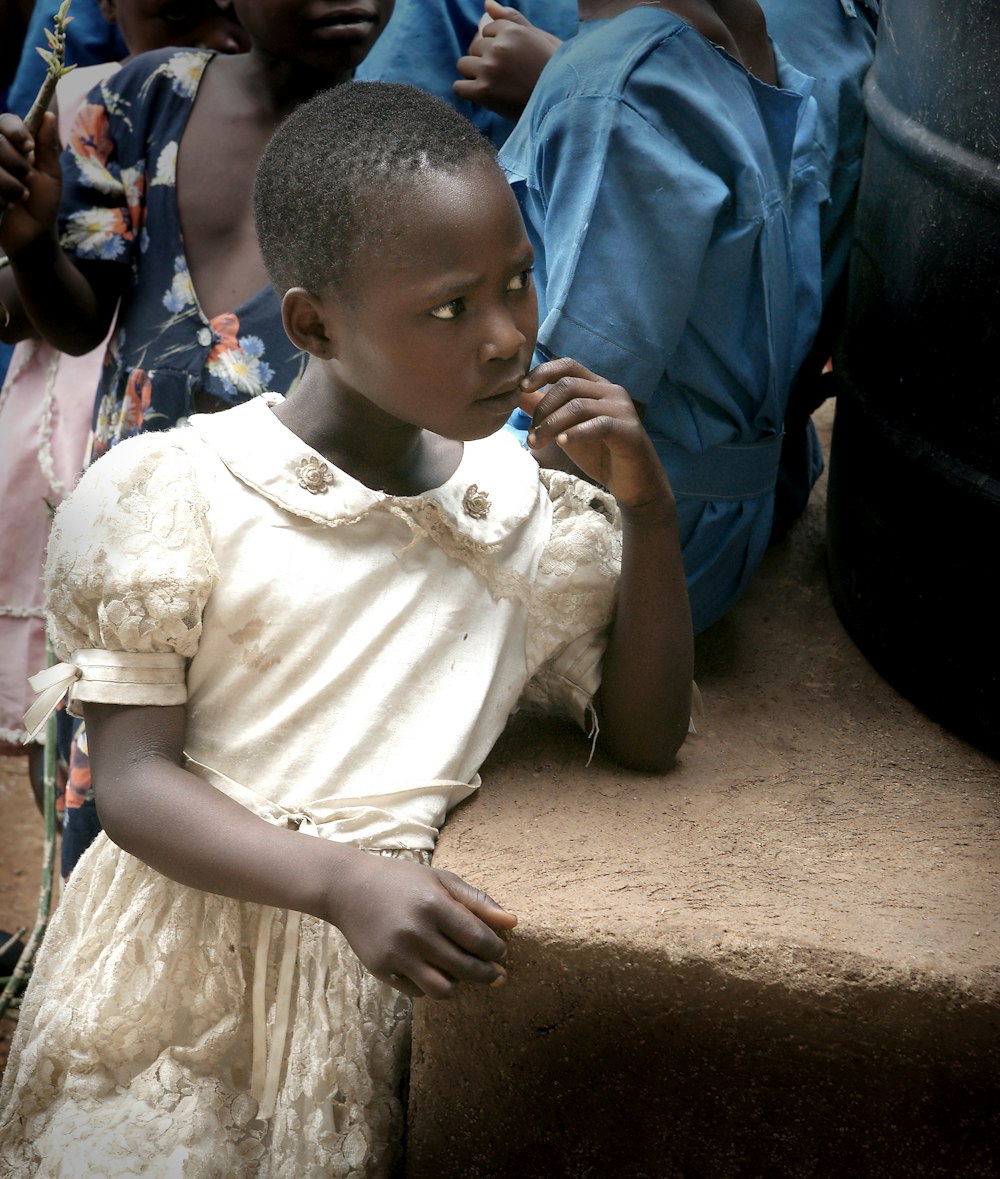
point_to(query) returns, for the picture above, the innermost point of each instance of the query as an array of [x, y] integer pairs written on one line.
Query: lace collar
[[493, 489]]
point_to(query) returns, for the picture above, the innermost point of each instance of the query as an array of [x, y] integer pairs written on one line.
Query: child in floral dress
[[46, 406], [199, 327], [154, 230], [295, 629]]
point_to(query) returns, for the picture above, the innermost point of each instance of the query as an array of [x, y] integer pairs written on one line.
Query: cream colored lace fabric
[[574, 593], [142, 588], [161, 1053]]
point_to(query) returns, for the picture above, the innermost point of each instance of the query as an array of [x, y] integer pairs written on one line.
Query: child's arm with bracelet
[[420, 929], [69, 306], [644, 702]]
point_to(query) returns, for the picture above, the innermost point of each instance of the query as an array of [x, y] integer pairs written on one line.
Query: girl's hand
[[504, 61], [30, 182], [596, 425], [421, 930]]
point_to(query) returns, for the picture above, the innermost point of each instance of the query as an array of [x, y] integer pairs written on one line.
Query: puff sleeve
[[574, 599], [128, 572]]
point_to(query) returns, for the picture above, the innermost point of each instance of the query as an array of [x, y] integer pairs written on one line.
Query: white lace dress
[[347, 659]]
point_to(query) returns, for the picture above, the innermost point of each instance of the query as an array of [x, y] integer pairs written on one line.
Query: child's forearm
[[644, 702], [188, 830], [67, 309], [421, 930]]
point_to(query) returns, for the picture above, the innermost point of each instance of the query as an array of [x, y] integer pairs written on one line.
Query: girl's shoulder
[[509, 478], [157, 457], [72, 91], [161, 73]]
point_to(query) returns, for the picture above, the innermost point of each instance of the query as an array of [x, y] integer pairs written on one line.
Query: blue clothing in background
[[833, 41], [673, 203], [90, 40], [425, 38], [6, 351]]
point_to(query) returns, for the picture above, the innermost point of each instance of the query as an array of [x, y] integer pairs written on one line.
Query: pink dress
[[45, 412]]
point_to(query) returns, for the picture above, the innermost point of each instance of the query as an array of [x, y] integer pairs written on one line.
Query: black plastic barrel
[[914, 492]]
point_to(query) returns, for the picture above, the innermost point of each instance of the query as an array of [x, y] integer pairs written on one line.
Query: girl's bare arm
[[419, 928], [644, 702]]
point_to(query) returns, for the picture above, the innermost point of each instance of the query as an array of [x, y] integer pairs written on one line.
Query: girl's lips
[[335, 30], [344, 23], [507, 395]]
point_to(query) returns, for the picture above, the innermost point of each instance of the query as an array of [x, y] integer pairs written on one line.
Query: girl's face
[[327, 36], [158, 24], [435, 324]]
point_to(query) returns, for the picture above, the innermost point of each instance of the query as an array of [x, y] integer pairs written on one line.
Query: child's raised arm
[[644, 702], [70, 309], [420, 929]]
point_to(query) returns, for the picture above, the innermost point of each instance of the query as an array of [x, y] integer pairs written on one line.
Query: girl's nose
[[503, 337]]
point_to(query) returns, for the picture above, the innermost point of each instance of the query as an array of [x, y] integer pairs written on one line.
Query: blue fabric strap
[[724, 472]]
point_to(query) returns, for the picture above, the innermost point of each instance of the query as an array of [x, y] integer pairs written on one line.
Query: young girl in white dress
[[295, 629]]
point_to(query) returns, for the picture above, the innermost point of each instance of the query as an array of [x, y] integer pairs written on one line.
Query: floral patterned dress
[[120, 207]]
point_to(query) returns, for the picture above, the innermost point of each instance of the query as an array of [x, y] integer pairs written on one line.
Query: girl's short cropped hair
[[334, 170]]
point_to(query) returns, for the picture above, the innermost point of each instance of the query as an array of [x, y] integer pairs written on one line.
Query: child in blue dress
[[666, 173], [832, 43], [427, 44], [295, 629]]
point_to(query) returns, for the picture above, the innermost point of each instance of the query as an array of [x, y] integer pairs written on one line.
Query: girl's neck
[[276, 85], [381, 452]]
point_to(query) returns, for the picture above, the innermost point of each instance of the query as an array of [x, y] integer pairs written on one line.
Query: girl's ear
[[107, 8], [308, 323]]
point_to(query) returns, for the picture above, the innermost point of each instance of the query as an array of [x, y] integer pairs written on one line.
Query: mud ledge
[[782, 958]]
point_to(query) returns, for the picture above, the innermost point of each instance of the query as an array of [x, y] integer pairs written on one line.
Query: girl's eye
[[451, 310], [176, 14], [520, 282]]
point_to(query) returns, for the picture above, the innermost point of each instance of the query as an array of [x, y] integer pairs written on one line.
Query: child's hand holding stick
[[51, 298], [644, 702], [17, 137]]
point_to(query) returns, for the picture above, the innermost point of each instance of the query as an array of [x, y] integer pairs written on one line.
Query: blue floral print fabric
[[166, 358]]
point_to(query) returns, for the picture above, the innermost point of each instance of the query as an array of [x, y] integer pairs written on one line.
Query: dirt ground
[[21, 844], [774, 675]]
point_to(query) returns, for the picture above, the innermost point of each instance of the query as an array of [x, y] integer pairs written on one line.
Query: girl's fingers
[[551, 371], [49, 150], [559, 393], [447, 959], [427, 981], [545, 402], [570, 403], [472, 922], [496, 12], [15, 164], [437, 968]]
